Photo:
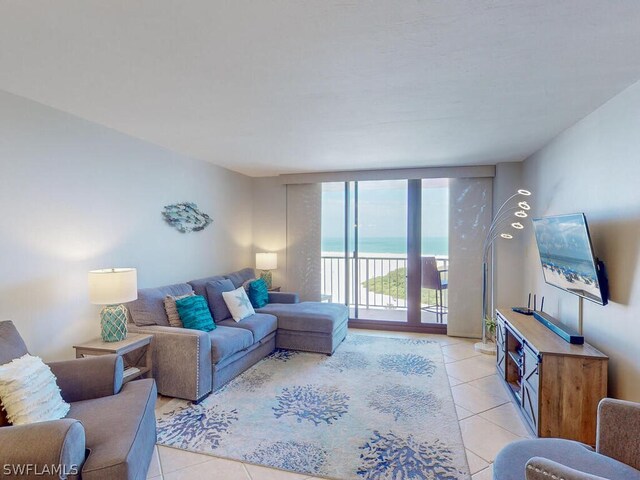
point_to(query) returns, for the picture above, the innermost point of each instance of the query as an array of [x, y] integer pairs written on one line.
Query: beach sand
[[577, 286]]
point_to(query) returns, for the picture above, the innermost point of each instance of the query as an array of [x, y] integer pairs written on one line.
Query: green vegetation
[[394, 284]]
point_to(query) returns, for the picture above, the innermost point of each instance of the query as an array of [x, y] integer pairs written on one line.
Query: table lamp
[[112, 287], [266, 262]]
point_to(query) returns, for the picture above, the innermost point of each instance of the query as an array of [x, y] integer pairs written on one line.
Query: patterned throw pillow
[[29, 392], [258, 293], [194, 313], [238, 303], [172, 311]]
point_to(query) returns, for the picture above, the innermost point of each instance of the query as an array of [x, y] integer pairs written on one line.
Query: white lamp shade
[[112, 286], [266, 261]]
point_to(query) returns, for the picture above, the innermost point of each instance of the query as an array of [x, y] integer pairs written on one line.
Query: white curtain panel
[[470, 210], [304, 207]]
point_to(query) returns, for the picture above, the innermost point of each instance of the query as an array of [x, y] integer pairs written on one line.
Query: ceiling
[[266, 87]]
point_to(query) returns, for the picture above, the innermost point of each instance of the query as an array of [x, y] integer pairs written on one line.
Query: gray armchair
[[616, 456], [109, 433]]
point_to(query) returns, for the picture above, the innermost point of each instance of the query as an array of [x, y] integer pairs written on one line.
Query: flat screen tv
[[567, 257]]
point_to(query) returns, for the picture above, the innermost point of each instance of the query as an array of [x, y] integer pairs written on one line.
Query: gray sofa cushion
[[216, 302], [241, 276], [225, 341], [120, 431], [259, 324], [510, 462], [308, 316], [200, 285], [11, 344], [148, 309]]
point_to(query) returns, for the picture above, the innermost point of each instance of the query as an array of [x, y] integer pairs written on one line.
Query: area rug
[[379, 408]]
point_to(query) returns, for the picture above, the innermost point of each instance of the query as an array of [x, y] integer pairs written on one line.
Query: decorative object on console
[[266, 262], [194, 313], [185, 217], [513, 206], [238, 303], [29, 392], [112, 287]]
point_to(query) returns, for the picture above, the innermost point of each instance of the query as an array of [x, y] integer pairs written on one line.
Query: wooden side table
[[133, 342]]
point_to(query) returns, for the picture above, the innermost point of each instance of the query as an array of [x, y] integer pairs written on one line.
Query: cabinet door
[[501, 347], [530, 385]]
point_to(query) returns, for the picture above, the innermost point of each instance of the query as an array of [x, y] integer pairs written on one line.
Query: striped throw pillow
[[29, 393], [172, 311], [195, 314]]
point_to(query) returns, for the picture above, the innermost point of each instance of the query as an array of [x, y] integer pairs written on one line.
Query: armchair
[[109, 431], [616, 456]]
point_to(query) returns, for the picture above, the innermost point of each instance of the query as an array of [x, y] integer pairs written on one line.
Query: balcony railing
[[381, 280]]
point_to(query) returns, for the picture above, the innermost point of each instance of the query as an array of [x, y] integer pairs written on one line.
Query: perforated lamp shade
[[266, 261], [112, 286]]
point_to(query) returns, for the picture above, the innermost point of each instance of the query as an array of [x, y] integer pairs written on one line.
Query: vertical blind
[[304, 207], [470, 205]]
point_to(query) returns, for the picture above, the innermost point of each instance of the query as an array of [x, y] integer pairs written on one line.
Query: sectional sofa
[[189, 364]]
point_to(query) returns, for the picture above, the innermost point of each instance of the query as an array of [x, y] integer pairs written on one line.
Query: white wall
[[594, 167], [270, 224], [77, 196]]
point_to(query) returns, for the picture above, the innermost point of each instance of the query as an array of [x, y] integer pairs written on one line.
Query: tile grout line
[[246, 471]]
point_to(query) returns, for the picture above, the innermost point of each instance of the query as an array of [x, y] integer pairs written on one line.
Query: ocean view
[[395, 245]]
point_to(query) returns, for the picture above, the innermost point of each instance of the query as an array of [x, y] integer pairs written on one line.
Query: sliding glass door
[[372, 250]]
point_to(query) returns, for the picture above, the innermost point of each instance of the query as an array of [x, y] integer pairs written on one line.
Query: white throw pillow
[[238, 303], [29, 393]]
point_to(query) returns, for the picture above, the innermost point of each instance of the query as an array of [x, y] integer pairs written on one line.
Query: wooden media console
[[557, 385]]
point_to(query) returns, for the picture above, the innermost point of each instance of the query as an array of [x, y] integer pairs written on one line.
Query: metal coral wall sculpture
[[185, 217]]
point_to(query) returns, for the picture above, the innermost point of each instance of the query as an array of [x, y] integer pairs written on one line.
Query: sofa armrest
[[283, 297], [539, 468], [26, 451], [617, 435], [88, 378], [182, 363]]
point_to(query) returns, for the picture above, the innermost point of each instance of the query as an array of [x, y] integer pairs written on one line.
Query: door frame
[[413, 322]]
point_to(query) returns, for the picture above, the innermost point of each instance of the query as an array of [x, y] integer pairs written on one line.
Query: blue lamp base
[[113, 320]]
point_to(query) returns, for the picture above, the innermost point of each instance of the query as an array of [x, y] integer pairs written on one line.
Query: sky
[[383, 209]]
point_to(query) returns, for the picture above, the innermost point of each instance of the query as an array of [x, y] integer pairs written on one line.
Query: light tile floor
[[488, 421]]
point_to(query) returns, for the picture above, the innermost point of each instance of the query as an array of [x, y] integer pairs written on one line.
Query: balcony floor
[[392, 315]]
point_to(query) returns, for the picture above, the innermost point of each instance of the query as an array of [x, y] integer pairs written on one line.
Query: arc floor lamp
[[507, 222]]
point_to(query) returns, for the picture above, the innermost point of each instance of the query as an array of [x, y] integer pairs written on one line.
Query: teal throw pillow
[[195, 313], [258, 293]]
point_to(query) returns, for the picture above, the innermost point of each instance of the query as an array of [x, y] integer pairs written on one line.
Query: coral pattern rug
[[379, 408]]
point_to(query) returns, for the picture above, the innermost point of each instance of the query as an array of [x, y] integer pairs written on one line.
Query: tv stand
[[556, 385]]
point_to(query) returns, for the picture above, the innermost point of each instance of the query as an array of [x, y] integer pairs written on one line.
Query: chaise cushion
[[259, 324], [512, 459], [308, 316], [225, 341], [120, 431], [148, 309]]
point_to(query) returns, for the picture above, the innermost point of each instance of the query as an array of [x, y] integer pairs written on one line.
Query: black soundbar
[[568, 334]]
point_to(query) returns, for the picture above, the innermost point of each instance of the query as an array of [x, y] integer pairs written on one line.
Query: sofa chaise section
[[309, 326]]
